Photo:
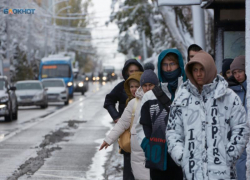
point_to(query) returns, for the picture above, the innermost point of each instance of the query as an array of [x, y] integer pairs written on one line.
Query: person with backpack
[[147, 82], [154, 117], [207, 129], [118, 95]]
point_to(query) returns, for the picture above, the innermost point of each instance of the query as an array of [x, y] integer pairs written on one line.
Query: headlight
[[104, 78], [80, 84], [86, 78], [38, 96], [4, 99], [2, 106], [97, 78], [93, 78], [113, 74], [63, 92], [69, 84]]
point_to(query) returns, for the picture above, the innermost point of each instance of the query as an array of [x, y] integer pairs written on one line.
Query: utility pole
[[46, 39], [29, 40], [198, 26], [7, 19], [144, 42]]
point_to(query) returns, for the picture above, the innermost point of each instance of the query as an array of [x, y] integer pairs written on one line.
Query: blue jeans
[[241, 166]]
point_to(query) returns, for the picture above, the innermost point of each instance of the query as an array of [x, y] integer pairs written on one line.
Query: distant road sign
[[178, 2]]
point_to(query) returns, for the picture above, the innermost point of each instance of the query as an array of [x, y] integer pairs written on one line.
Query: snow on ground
[[96, 169], [114, 166], [107, 163]]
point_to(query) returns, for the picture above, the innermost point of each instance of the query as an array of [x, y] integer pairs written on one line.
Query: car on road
[[96, 77], [88, 76], [57, 90], [80, 84], [110, 70], [31, 93], [8, 100], [105, 77]]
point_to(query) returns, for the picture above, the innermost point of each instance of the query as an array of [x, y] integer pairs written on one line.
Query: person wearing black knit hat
[[148, 78], [226, 72]]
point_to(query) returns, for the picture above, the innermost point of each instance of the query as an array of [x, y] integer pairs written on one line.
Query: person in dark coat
[[226, 72], [192, 50], [118, 95], [237, 82]]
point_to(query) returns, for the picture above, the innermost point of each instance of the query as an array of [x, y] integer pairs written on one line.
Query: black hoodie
[[118, 93]]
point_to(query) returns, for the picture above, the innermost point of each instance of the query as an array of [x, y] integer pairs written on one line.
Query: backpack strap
[[133, 113], [162, 97]]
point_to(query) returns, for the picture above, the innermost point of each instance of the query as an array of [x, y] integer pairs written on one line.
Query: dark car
[[105, 77], [110, 70], [81, 84], [88, 76], [96, 77], [8, 100]]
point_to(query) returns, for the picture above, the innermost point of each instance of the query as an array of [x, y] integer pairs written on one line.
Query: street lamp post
[[54, 24], [46, 30]]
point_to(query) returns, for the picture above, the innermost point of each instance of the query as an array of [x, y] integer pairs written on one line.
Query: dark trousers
[[127, 170], [172, 173]]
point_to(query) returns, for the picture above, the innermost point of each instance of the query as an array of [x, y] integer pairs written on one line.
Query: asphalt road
[[60, 142]]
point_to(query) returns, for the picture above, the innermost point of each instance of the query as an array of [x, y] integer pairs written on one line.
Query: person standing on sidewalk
[[192, 50], [147, 82], [154, 116], [226, 72], [238, 84], [207, 129], [118, 95]]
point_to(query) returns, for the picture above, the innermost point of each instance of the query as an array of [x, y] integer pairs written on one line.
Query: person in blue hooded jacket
[[153, 118]]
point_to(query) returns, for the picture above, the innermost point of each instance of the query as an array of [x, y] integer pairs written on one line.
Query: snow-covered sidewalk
[[114, 165]]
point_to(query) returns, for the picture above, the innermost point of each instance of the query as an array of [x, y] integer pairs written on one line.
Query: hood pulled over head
[[207, 61], [180, 61], [135, 76], [127, 64]]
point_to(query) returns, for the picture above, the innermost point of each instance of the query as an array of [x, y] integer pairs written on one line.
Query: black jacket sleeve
[[145, 119], [116, 95]]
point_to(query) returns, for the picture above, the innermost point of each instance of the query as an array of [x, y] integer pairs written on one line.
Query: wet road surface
[[60, 142]]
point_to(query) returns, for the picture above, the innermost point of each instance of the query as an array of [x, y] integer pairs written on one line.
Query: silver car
[[8, 100], [31, 93], [57, 90]]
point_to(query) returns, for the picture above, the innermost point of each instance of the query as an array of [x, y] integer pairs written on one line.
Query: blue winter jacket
[[240, 90]]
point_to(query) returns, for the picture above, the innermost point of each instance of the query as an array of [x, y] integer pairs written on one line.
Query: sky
[[103, 35]]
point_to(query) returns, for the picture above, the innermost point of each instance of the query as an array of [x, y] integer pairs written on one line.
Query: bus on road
[[58, 67]]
